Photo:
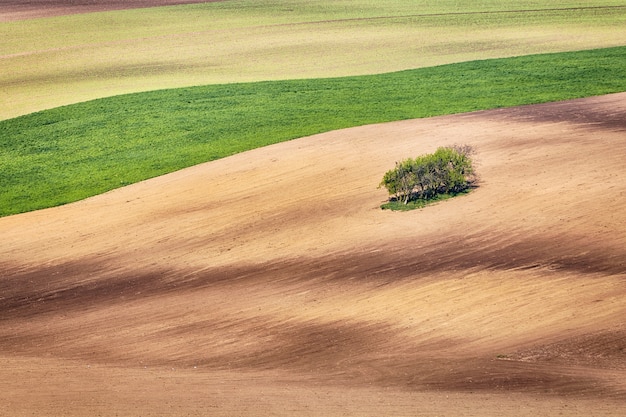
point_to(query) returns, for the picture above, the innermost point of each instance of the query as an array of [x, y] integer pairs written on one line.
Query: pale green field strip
[[49, 62], [65, 154]]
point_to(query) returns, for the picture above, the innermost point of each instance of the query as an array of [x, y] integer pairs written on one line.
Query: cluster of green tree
[[447, 171]]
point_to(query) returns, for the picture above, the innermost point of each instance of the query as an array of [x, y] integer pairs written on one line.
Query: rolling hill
[[271, 283]]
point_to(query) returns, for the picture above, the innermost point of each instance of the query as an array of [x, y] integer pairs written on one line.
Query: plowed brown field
[[270, 283]]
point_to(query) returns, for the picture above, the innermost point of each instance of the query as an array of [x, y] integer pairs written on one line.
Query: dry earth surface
[[32, 9], [270, 282]]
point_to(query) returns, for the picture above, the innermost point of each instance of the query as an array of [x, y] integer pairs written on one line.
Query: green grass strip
[[419, 203], [69, 153]]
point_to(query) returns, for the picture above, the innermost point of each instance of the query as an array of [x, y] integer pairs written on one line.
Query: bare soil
[[32, 9], [271, 283]]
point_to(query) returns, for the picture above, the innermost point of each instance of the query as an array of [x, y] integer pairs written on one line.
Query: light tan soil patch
[[270, 283]]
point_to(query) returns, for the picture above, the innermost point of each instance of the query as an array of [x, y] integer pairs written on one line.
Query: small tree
[[447, 171], [401, 180]]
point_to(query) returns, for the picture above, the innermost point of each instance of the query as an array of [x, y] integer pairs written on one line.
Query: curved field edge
[[69, 153], [54, 62]]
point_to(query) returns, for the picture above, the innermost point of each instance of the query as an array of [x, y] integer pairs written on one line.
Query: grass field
[[56, 61], [69, 153]]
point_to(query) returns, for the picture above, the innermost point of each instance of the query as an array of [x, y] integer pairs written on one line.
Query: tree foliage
[[447, 171]]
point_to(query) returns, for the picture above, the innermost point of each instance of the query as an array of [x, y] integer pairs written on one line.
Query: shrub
[[447, 171]]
